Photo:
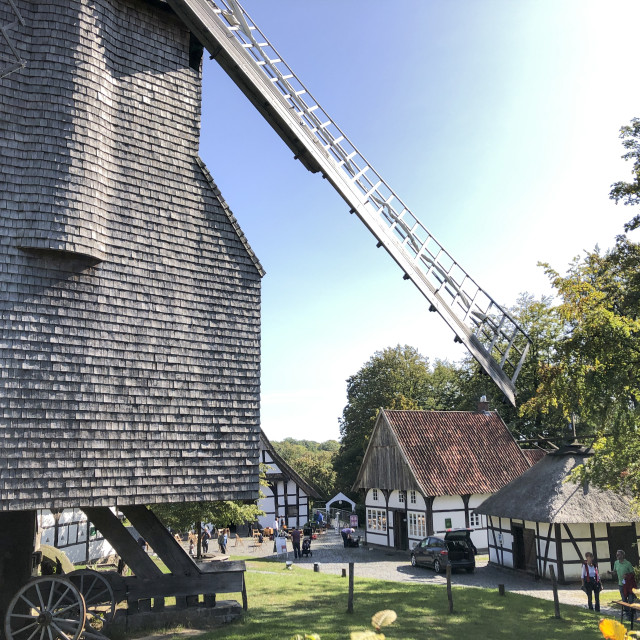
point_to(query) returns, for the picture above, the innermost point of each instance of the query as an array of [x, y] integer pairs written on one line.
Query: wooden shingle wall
[[129, 299]]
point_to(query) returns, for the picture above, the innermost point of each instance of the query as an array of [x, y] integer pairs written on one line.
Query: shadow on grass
[[283, 603]]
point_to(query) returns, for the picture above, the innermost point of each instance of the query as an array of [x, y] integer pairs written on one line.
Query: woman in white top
[[591, 580]]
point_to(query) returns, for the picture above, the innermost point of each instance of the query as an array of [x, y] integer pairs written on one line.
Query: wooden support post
[[350, 600], [158, 604], [210, 600], [554, 584], [344, 573], [161, 541], [122, 541], [449, 593], [500, 589], [245, 604]]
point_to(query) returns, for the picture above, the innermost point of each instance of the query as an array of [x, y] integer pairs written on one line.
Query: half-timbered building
[[540, 520], [287, 493], [427, 471]]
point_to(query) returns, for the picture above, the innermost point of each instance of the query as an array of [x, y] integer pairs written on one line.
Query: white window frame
[[401, 497], [475, 519], [377, 520], [374, 494], [417, 524], [412, 497]]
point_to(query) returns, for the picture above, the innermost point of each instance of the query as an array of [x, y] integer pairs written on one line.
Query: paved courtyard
[[332, 557]]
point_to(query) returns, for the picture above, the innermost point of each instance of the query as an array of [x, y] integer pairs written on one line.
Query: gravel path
[[383, 564]]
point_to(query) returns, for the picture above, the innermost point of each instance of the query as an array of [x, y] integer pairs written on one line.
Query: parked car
[[455, 548]]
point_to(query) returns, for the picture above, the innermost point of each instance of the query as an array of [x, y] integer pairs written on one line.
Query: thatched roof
[[542, 495]]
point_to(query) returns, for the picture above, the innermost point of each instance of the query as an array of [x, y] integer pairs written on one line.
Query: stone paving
[[384, 564]]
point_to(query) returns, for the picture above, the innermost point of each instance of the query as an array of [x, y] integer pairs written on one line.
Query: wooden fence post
[[449, 593], [350, 601], [554, 585]]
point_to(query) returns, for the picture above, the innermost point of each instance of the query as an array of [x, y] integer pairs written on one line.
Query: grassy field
[[285, 602]]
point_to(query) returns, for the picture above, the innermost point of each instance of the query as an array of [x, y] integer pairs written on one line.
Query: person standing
[[222, 541], [206, 536], [591, 580], [623, 569], [295, 542]]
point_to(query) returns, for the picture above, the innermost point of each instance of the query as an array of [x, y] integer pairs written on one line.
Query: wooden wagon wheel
[[98, 597], [46, 608]]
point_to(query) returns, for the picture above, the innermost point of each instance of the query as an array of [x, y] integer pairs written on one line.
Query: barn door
[[623, 538], [529, 542], [524, 548]]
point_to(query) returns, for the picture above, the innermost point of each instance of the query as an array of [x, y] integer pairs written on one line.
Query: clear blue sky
[[496, 121]]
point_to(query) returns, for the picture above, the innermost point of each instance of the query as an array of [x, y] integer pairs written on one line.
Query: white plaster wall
[[394, 501], [504, 555], [447, 504], [379, 503], [273, 468], [72, 531], [267, 504], [479, 534], [377, 538], [420, 503]]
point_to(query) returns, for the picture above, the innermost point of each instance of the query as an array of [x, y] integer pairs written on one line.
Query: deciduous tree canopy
[[312, 460]]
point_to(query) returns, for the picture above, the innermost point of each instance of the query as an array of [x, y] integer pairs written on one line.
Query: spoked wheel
[[98, 597], [46, 608]]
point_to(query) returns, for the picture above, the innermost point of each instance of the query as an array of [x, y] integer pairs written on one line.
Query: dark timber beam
[[122, 541], [161, 541]]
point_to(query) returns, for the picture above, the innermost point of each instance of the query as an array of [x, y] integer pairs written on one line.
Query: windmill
[[487, 330]]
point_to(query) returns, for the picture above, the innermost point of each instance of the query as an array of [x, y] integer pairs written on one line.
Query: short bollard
[[500, 589], [344, 573], [316, 567]]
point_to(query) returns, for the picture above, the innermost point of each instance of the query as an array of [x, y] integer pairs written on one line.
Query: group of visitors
[[622, 571], [205, 536]]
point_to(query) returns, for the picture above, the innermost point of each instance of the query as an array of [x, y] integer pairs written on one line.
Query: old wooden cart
[[85, 602]]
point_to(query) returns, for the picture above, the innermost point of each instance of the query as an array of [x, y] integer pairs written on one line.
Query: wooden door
[[529, 544], [518, 547], [400, 531]]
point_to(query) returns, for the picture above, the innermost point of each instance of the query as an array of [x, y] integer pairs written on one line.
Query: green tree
[[544, 326], [395, 378], [595, 375], [184, 516], [313, 461], [629, 192]]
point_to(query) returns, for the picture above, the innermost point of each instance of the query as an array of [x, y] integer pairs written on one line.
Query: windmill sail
[[487, 330]]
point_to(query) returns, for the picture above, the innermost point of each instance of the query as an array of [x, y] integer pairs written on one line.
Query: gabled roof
[[542, 495], [286, 470], [441, 453]]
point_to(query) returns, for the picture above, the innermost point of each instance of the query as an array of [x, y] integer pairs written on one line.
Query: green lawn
[[285, 602]]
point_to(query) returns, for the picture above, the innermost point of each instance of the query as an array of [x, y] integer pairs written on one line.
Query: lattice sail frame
[[4, 30], [489, 332]]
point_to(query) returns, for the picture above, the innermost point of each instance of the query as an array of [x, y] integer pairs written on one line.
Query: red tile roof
[[534, 455], [457, 452]]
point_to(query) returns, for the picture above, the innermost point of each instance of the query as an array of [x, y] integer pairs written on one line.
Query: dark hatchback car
[[455, 548]]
